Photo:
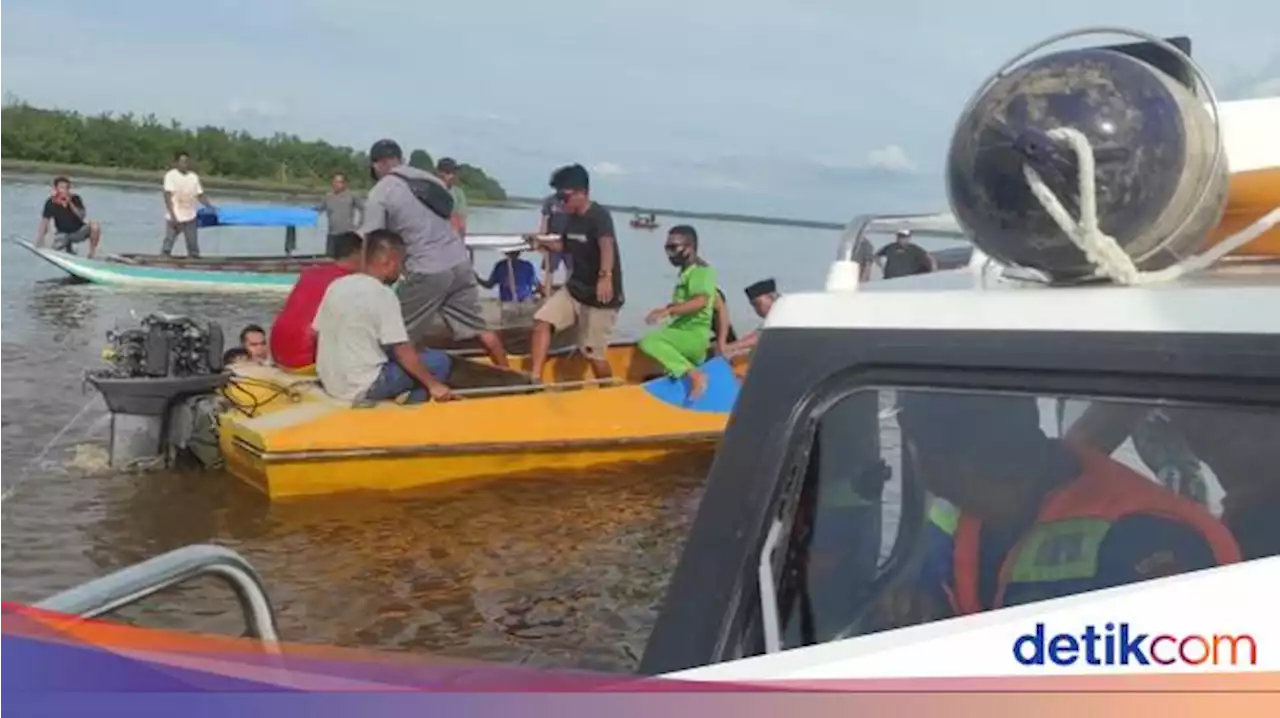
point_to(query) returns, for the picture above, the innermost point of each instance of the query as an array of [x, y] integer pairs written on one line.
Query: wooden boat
[[252, 273], [650, 222], [289, 439]]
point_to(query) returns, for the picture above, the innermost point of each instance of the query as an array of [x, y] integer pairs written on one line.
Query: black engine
[[165, 346]]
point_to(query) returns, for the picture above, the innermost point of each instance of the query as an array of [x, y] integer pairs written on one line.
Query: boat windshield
[[1074, 493]]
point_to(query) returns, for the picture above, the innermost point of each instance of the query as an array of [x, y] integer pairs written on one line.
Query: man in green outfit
[[682, 344]]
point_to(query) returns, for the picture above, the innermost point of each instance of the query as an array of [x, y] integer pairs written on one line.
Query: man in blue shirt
[[515, 278]]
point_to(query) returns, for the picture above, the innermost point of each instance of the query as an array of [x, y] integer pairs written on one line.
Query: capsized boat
[[251, 273], [287, 438]]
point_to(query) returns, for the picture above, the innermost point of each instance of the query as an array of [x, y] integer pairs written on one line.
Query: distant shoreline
[[125, 177]]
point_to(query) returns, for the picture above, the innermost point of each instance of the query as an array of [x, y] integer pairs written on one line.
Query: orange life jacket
[[1105, 491]]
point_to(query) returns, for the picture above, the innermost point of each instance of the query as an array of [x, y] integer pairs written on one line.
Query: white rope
[[1102, 249]]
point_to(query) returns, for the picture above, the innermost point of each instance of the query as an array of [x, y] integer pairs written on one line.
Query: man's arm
[[168, 196], [880, 255], [41, 230], [702, 284], [930, 261], [200, 195], [743, 344], [76, 205], [407, 358], [491, 281], [374, 215], [722, 322]]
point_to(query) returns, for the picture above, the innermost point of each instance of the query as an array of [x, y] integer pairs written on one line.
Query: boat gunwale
[[441, 450]]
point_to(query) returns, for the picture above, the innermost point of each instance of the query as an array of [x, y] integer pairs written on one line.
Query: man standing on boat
[[69, 220], [340, 207], [182, 192], [592, 295], [447, 171], [903, 258], [682, 344], [363, 352], [439, 279]]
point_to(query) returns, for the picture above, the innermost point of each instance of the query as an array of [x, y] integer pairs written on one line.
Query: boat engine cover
[[1154, 146]]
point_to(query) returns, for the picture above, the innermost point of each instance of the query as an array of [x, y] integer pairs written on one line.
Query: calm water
[[565, 571]]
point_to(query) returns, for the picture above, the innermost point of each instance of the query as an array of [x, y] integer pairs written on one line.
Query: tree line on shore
[[135, 142]]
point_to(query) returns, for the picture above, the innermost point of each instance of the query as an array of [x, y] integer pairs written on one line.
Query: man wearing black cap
[[438, 276], [447, 170], [762, 295]]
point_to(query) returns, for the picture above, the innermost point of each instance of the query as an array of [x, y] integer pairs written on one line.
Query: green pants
[[677, 350]]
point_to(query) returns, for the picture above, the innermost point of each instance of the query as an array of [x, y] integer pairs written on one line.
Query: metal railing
[[130, 585]]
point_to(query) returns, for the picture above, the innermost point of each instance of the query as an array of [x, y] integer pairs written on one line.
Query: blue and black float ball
[[1153, 143]]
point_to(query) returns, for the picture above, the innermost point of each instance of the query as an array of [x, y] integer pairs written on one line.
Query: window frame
[[712, 604]]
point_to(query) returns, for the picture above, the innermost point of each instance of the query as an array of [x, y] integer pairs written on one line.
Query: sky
[[817, 109]]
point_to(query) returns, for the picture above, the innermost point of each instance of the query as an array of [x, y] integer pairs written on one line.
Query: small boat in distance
[[645, 222], [254, 273]]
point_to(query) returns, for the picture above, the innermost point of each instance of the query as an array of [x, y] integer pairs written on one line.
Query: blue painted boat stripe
[[719, 398]]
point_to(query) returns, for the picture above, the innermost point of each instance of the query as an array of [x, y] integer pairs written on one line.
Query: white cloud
[[890, 158], [608, 169]]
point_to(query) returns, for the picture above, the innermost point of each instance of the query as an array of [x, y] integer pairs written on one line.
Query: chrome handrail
[[134, 583], [933, 225]]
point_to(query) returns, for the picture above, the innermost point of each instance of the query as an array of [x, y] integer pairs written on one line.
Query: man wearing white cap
[[903, 257]]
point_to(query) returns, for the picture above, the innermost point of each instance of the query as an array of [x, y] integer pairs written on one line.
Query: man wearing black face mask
[[682, 344]]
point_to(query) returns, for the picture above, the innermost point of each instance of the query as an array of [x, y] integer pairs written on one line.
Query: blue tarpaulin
[[248, 215]]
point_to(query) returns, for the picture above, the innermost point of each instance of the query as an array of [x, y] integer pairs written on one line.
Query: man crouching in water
[[1040, 518], [363, 351]]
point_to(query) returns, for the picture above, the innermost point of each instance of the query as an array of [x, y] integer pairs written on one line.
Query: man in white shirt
[[182, 193], [363, 352]]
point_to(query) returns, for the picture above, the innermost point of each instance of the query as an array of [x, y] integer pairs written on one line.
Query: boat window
[[1049, 495]]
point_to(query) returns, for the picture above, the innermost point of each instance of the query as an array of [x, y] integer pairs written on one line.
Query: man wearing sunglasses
[[592, 295], [682, 344]]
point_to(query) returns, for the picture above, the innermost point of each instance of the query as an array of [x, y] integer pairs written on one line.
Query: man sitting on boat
[[682, 344], [253, 339], [592, 296], [515, 278], [69, 220], [363, 350], [439, 279], [293, 340], [1038, 518], [762, 295]]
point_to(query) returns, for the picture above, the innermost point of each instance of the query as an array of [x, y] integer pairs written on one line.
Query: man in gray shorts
[[438, 276]]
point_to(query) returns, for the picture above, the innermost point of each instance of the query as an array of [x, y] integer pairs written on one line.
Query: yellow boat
[[289, 439]]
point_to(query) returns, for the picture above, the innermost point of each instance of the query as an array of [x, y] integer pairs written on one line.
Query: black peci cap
[[385, 149], [761, 288], [447, 164]]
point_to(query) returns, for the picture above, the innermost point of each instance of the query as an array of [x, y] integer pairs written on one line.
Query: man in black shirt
[[592, 295], [904, 257], [68, 214]]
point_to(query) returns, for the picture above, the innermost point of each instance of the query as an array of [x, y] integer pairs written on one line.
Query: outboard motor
[[1160, 172], [155, 371]]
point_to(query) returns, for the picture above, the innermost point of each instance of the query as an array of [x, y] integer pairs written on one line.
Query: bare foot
[[697, 384]]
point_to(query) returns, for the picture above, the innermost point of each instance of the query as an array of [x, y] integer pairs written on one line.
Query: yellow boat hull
[[300, 442]]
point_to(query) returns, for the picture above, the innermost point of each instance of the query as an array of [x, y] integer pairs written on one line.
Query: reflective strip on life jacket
[[1070, 528]]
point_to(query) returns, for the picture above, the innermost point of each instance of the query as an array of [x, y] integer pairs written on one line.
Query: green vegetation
[[131, 148]]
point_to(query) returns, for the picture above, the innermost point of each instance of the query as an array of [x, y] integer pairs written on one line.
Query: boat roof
[[1232, 297]]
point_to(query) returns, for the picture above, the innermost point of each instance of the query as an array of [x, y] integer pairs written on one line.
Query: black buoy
[[1160, 173]]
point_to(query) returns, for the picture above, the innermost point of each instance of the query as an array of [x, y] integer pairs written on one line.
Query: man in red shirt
[[293, 341]]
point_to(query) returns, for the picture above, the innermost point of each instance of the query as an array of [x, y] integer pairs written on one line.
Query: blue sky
[[812, 108]]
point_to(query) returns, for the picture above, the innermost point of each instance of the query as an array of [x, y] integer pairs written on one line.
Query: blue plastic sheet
[[248, 215]]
